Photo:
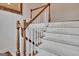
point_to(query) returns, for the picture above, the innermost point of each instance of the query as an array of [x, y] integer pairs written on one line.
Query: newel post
[[31, 13], [18, 40], [49, 14], [24, 38]]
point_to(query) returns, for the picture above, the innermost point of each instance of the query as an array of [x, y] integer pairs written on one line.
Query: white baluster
[[31, 36], [29, 42]]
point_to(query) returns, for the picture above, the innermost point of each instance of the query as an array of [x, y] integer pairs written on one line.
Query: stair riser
[[59, 49], [74, 40], [65, 24], [71, 31]]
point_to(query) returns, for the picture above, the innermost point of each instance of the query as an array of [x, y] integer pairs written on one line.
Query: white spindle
[[29, 44]]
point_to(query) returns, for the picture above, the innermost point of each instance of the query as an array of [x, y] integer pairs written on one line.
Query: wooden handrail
[[32, 19], [49, 18], [38, 8]]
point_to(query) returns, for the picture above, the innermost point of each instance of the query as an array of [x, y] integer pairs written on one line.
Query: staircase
[[58, 39], [47, 39], [61, 39]]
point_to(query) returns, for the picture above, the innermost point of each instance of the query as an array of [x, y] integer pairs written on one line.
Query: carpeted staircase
[[61, 39]]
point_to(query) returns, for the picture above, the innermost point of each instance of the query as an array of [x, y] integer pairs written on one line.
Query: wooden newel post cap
[[25, 24], [24, 21]]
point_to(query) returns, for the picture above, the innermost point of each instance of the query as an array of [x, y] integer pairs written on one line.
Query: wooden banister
[[38, 8], [32, 19], [23, 27], [37, 14]]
